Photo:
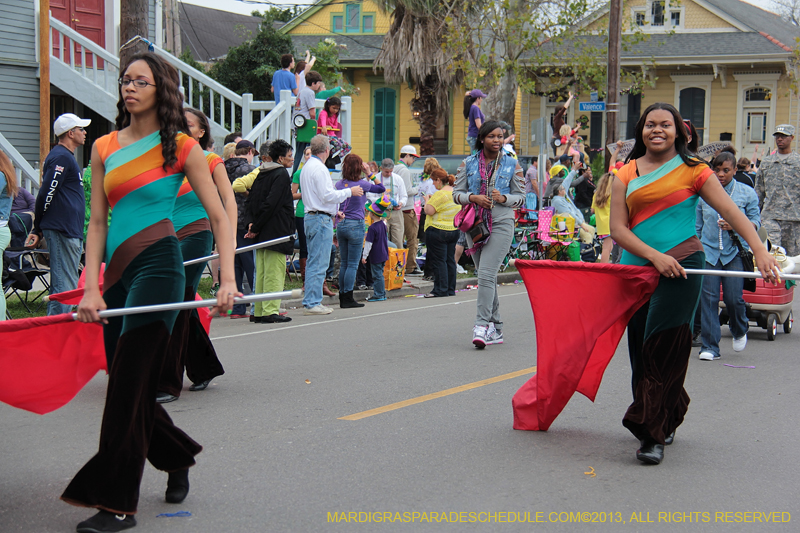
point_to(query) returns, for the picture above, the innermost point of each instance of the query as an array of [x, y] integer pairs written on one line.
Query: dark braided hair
[[169, 101]]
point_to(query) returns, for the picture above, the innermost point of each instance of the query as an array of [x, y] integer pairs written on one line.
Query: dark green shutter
[[384, 124]]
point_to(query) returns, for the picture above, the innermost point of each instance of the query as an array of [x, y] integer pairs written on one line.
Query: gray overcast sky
[[245, 8]]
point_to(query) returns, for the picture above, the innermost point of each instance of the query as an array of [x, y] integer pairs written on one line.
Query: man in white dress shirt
[[321, 201], [396, 189]]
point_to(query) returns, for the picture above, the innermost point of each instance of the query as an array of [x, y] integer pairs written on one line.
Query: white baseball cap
[[408, 149], [67, 121]]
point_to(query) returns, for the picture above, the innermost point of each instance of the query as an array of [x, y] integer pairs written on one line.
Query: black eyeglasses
[[83, 130], [141, 84]]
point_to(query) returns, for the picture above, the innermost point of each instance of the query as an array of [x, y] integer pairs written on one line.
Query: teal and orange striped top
[[140, 192], [662, 204], [188, 207]]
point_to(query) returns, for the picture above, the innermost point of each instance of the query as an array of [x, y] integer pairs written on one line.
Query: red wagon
[[769, 306]]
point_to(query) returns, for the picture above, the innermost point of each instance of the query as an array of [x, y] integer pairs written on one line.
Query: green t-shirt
[[300, 210]]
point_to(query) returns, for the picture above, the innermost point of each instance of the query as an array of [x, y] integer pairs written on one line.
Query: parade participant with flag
[[138, 171], [653, 203], [189, 345]]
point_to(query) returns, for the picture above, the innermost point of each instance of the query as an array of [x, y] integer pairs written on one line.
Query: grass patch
[[17, 310]]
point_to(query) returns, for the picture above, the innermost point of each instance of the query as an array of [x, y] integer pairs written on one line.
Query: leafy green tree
[[533, 45], [277, 14], [327, 65], [248, 68]]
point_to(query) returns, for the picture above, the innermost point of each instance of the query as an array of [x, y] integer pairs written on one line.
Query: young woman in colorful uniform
[[137, 172], [653, 203], [189, 345]]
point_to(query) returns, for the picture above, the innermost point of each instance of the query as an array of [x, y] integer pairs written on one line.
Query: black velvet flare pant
[[659, 345], [134, 426]]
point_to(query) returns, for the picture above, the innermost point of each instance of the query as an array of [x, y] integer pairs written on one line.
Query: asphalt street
[[278, 457]]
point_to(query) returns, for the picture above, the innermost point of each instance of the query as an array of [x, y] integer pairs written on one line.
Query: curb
[[409, 289]]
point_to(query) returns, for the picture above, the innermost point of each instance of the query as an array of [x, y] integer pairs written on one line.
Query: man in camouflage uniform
[[778, 189]]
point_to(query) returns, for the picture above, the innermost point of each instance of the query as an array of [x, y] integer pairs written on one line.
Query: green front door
[[384, 115]]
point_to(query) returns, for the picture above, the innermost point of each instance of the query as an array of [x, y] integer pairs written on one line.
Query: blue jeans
[[65, 258], [5, 238], [378, 285], [734, 303], [319, 238], [351, 240], [243, 265], [331, 263]]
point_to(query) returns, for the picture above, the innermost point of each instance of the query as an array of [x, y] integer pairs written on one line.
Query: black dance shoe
[[177, 486], [651, 452], [104, 522], [203, 385], [165, 397], [670, 439], [275, 319]]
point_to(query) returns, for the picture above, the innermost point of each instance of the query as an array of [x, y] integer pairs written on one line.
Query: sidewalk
[[417, 286]]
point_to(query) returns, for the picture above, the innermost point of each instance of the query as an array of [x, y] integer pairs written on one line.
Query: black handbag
[[748, 265]]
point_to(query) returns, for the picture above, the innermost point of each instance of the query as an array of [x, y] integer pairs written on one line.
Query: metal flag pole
[[180, 306], [735, 273], [241, 250]]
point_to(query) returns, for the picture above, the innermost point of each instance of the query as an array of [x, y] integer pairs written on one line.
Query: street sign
[[592, 106], [593, 96], [540, 132]]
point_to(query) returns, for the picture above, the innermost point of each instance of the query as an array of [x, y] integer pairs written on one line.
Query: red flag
[[581, 311], [204, 314], [46, 361], [74, 296]]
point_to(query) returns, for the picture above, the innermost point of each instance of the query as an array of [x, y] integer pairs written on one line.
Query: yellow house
[[382, 120], [725, 64]]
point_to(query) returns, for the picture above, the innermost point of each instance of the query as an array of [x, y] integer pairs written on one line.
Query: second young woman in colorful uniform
[[189, 345]]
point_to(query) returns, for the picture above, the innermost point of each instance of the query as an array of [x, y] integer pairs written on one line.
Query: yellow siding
[[320, 21], [722, 110], [361, 121], [459, 124], [406, 125], [695, 16]]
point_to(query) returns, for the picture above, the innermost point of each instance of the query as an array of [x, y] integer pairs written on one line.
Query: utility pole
[[132, 22], [44, 81], [172, 41], [612, 97]]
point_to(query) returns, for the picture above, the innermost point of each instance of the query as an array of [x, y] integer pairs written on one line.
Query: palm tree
[[412, 52]]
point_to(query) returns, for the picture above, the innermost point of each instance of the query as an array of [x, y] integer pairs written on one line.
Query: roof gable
[[209, 33], [318, 19]]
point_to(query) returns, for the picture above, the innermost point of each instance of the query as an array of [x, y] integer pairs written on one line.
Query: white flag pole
[[241, 250], [735, 273], [180, 306]]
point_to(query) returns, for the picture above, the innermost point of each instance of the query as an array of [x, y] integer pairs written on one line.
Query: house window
[[368, 24], [353, 15], [756, 127], [639, 17], [692, 107], [759, 94], [338, 24], [657, 13], [675, 18]]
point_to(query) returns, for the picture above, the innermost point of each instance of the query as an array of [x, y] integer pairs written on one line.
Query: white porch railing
[[83, 69], [277, 124], [89, 73], [27, 177]]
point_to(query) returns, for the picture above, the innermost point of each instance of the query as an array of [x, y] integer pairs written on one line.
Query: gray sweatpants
[[487, 262]]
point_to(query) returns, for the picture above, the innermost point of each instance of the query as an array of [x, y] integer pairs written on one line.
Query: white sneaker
[[479, 334], [708, 356], [317, 310], [740, 343], [493, 336], [460, 269]]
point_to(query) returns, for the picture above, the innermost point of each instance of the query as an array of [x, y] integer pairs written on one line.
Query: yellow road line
[[440, 394]]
